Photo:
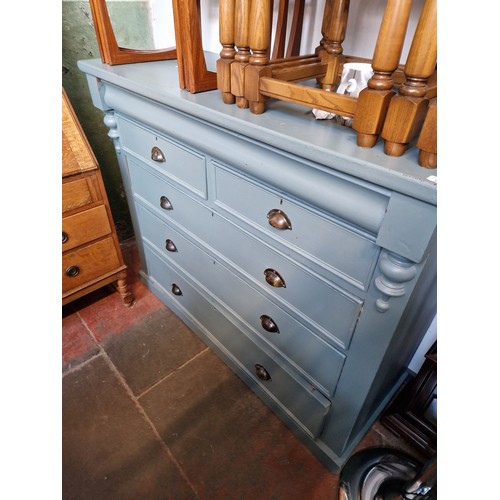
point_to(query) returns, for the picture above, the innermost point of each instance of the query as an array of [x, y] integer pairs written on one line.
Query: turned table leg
[[427, 140], [374, 100], [226, 38], [122, 287], [242, 56], [408, 109], [333, 30]]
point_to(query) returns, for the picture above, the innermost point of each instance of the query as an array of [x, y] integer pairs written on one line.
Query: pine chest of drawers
[[91, 255], [306, 263]]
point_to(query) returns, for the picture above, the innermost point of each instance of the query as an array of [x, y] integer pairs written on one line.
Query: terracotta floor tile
[[77, 343]]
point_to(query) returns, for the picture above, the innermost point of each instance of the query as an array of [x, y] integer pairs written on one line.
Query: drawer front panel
[[84, 227], [292, 393], [319, 303], [174, 160], [77, 194], [335, 248], [167, 201], [318, 360], [91, 261]]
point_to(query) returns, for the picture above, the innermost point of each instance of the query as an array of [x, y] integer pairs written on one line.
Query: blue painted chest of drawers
[[306, 263]]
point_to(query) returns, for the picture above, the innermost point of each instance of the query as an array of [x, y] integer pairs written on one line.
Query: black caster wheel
[[387, 474]]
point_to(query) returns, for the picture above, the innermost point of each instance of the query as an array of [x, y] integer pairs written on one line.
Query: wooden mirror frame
[[193, 73], [111, 52]]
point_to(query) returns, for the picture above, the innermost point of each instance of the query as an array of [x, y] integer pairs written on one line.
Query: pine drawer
[[319, 361], [81, 266], [286, 388], [84, 227], [79, 192], [175, 160]]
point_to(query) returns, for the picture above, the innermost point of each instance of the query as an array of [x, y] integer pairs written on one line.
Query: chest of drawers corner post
[[307, 264], [91, 254]]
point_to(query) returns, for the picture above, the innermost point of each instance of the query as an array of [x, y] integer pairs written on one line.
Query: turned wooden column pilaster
[[259, 39], [374, 100], [227, 54], [333, 30], [408, 109], [241, 40]]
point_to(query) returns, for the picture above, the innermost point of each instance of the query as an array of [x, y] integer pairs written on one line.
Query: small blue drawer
[[285, 388], [168, 202], [172, 159]]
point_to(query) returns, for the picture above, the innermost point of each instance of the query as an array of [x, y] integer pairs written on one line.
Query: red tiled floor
[[76, 339], [103, 310]]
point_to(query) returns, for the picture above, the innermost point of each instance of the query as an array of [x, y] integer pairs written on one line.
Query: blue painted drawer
[[337, 249], [324, 306], [167, 201], [181, 164], [319, 361], [285, 387]]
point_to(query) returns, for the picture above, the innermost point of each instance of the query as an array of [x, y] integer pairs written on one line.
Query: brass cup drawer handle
[[274, 278], [64, 237], [262, 373], [170, 246], [176, 290], [72, 271], [268, 324], [157, 155], [165, 203], [279, 219]]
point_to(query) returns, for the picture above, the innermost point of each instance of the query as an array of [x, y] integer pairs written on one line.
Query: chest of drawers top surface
[[287, 127]]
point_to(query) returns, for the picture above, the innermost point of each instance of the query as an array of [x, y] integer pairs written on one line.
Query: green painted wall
[[132, 28]]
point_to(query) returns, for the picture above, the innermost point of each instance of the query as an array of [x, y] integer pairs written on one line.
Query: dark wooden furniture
[[413, 414]]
